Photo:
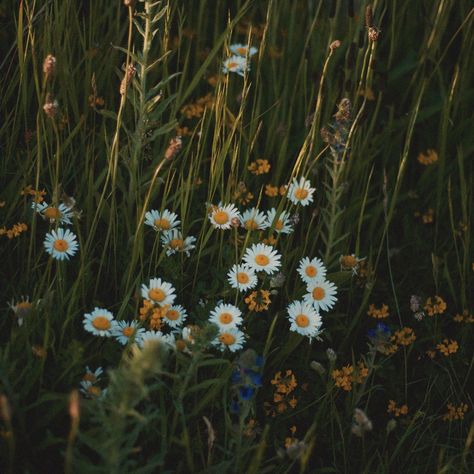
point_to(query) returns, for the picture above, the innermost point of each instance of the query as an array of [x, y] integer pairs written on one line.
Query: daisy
[[173, 242], [300, 192], [92, 376], [321, 294], [237, 64], [242, 277], [161, 221], [243, 50], [124, 332], [311, 270], [253, 219], [226, 316], [166, 339], [158, 291], [61, 243], [175, 316], [281, 223], [304, 319], [222, 217], [261, 257], [90, 390], [21, 308], [100, 322], [61, 214], [231, 339]]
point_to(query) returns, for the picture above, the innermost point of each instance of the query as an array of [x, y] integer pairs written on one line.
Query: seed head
[[49, 66]]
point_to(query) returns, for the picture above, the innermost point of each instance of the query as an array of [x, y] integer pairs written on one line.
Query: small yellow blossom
[[15, 231], [397, 411], [378, 313], [259, 166], [435, 305], [404, 337], [448, 347], [258, 301], [464, 317], [455, 413], [428, 158]]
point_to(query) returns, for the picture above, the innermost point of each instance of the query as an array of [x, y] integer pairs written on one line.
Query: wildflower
[[51, 106], [61, 214], [22, 309], [415, 303], [378, 313], [259, 166], [427, 158], [348, 375], [311, 270], [280, 224], [427, 217], [464, 317], [350, 262], [321, 294], [174, 316], [242, 195], [167, 340], [455, 413], [242, 277], [173, 242], [197, 109], [304, 319], [270, 241], [237, 64], [404, 337], [93, 376], [271, 191], [373, 33], [258, 301], [253, 219], [447, 347], [15, 231], [243, 50], [397, 411], [231, 338], [91, 391], [284, 384], [61, 244], [380, 337], [435, 305], [158, 291], [123, 332], [262, 257], [221, 216], [161, 221], [300, 192], [99, 322], [226, 316], [361, 423], [49, 66]]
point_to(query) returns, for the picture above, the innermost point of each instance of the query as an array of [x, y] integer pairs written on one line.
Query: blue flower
[[246, 392]]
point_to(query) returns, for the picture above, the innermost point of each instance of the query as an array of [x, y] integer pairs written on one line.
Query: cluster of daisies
[[239, 61], [60, 243]]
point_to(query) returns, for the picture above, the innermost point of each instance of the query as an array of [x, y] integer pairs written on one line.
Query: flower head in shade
[[304, 319], [262, 257], [22, 308], [61, 214], [161, 221], [174, 242], [237, 64], [175, 316], [124, 332], [280, 223], [99, 322], [300, 192], [231, 339], [321, 294], [61, 244], [253, 219], [167, 340], [158, 291], [242, 277], [222, 216], [311, 270], [225, 316], [243, 50]]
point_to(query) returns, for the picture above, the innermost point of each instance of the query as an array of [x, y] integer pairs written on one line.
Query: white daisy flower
[[300, 192], [93, 376], [161, 221], [253, 219], [231, 338], [237, 64], [242, 277], [262, 257], [61, 214], [321, 294], [99, 322], [222, 217], [61, 244], [167, 339], [311, 270], [225, 316], [158, 291], [91, 391], [175, 316], [280, 223], [21, 308], [125, 331], [173, 242], [304, 319], [243, 49]]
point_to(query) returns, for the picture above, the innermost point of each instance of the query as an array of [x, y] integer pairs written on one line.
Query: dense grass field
[[235, 236]]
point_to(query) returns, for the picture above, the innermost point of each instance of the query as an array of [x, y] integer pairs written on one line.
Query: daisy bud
[[331, 355], [49, 66], [317, 367], [50, 106]]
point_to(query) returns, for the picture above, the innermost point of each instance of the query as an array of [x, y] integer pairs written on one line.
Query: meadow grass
[[369, 101]]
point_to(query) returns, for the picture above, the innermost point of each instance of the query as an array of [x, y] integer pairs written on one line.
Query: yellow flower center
[[172, 314], [319, 293], [128, 331], [93, 390], [221, 217], [23, 305], [243, 278], [177, 244], [162, 224], [242, 51], [52, 213], [301, 193], [311, 271], [279, 224], [231, 65], [225, 318], [60, 245], [156, 294], [89, 377], [101, 323], [262, 259], [227, 339], [302, 320], [251, 224]]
